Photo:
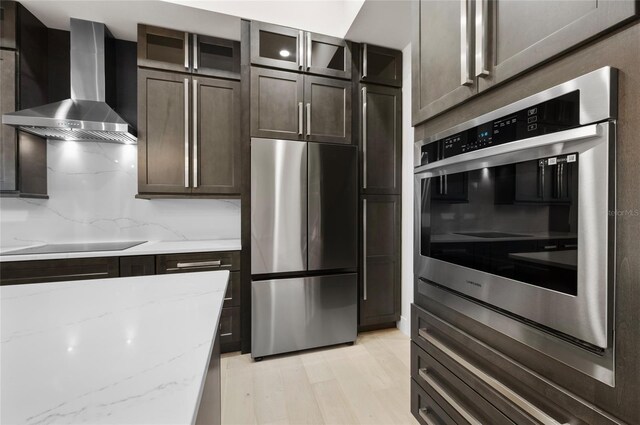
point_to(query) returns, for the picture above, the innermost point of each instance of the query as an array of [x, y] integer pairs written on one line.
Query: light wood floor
[[367, 383]]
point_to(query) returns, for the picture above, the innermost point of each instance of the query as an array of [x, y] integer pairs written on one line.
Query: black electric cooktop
[[75, 247]]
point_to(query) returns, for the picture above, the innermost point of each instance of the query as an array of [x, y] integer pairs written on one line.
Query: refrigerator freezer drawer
[[301, 313]]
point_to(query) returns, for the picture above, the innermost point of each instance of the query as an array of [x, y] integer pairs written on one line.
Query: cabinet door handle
[[364, 137], [446, 185], [186, 132], [364, 249], [300, 49], [541, 181], [308, 51], [226, 334], [364, 62], [186, 50], [424, 374], [195, 133], [482, 38], [308, 119], [425, 415], [300, 119], [550, 246], [195, 52], [465, 35], [496, 385]]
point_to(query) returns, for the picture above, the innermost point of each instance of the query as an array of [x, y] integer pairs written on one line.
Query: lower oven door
[[527, 228]]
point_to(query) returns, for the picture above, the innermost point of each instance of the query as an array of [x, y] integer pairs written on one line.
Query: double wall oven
[[515, 221]]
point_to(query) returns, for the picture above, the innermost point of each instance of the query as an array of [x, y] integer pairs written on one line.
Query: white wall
[[407, 194], [92, 189]]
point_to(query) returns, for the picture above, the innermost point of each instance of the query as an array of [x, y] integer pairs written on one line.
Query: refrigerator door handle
[[364, 249]]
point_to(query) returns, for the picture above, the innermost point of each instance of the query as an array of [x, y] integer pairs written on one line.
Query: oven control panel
[[554, 115]]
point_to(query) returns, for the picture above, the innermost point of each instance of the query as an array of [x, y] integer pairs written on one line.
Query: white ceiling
[[382, 22]]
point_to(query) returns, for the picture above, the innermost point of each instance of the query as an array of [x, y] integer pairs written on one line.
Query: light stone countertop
[[120, 351], [147, 248]]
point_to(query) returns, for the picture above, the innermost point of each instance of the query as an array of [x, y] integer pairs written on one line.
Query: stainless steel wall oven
[[513, 214]]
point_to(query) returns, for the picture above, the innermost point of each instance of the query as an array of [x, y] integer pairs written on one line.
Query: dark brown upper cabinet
[[8, 134], [216, 57], [460, 49], [293, 106], [381, 139], [216, 136], [188, 133], [163, 48], [522, 35], [380, 277], [327, 110], [295, 50], [441, 57], [8, 24], [181, 51], [381, 65]]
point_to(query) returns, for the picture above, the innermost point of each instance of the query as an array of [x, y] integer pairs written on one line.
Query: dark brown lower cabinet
[[380, 277], [142, 265], [210, 410], [20, 272], [454, 382], [230, 329]]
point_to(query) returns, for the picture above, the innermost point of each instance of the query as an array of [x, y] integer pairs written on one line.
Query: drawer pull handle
[[443, 393], [424, 414], [215, 263], [227, 334], [498, 386], [228, 299], [550, 246]]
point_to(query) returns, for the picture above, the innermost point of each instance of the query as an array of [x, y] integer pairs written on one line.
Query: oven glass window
[[518, 221]]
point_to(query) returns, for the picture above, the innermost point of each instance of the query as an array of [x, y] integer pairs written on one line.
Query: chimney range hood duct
[[86, 115]]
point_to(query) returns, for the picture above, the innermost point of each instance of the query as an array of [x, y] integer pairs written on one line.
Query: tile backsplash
[[92, 188]]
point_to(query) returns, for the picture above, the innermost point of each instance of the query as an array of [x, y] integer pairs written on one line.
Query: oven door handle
[[479, 159]]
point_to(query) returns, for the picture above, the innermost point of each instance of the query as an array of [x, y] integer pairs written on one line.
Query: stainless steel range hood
[[86, 115]]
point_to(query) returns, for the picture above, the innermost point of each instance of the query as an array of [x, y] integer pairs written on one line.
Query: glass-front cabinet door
[[215, 56], [163, 48], [277, 46], [326, 55]]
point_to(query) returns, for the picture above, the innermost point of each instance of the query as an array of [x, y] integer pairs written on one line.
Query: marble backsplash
[[92, 188]]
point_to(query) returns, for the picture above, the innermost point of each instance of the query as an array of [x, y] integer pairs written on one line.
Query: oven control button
[[532, 119], [532, 127], [532, 111]]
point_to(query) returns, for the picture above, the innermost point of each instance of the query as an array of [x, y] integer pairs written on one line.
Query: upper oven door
[[525, 226]]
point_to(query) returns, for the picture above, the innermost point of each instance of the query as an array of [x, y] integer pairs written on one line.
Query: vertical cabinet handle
[[195, 133], [186, 50], [308, 119], [541, 181], [482, 38], [186, 132], [364, 62], [465, 35], [300, 49], [364, 249], [195, 52], [300, 119], [364, 137], [308, 50]]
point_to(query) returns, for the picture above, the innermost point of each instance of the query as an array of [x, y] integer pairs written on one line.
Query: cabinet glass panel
[[329, 56], [518, 221], [221, 56], [163, 48], [381, 65], [278, 46]]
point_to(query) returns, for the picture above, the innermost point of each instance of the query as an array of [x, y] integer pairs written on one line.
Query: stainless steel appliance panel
[[301, 313], [333, 207], [278, 206]]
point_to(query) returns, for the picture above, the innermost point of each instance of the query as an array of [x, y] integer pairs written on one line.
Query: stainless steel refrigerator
[[303, 245]]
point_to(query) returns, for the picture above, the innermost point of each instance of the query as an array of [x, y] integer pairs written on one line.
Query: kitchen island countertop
[[122, 350]]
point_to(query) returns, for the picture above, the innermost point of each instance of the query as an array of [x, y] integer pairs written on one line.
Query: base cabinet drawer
[[425, 409], [199, 262], [451, 392], [20, 272], [229, 326]]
